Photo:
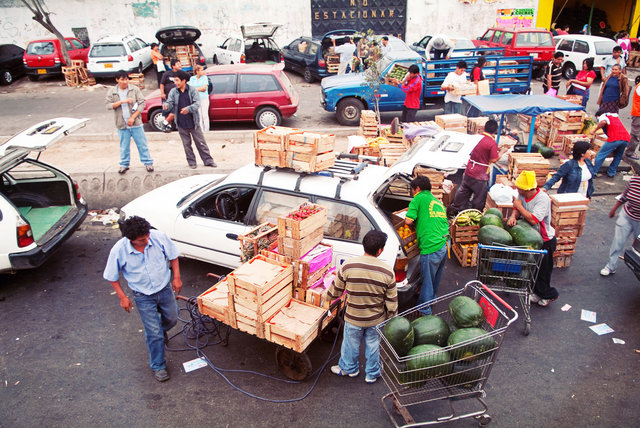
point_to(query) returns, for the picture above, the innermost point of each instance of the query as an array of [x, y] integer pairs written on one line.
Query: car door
[[391, 96], [144, 53], [223, 102], [236, 51], [81, 51], [294, 58], [221, 52], [208, 228], [255, 90]]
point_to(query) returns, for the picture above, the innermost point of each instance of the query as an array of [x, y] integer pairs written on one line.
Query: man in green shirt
[[430, 219]]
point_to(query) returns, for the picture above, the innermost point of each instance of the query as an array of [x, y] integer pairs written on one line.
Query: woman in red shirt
[[583, 81]]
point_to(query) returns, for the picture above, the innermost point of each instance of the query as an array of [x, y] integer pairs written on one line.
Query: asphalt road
[[70, 356]]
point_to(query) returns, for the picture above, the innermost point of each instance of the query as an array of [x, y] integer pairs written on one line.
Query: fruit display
[[468, 218], [494, 211], [434, 362], [305, 211], [494, 235], [408, 236], [398, 72], [526, 236], [491, 219], [469, 253], [263, 237]]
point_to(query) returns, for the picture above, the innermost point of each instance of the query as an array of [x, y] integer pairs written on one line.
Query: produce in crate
[[466, 312], [469, 218], [494, 211], [405, 231], [492, 235], [264, 243], [399, 334], [430, 329], [434, 363], [398, 73], [479, 342], [305, 211]]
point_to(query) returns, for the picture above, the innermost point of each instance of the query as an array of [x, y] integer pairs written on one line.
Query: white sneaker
[[534, 298], [546, 302], [370, 379], [338, 371], [606, 271]]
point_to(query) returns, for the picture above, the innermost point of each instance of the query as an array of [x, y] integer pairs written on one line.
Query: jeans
[[159, 313], [201, 145], [351, 349], [625, 226], [450, 107], [616, 147], [543, 287], [431, 267], [137, 133], [470, 186]]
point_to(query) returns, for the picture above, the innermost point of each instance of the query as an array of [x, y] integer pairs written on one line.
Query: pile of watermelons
[[437, 348]]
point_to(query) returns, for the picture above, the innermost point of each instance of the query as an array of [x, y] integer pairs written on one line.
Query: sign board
[[515, 18], [381, 16]]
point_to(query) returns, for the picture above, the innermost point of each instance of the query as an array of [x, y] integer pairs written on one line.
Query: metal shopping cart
[[465, 373], [513, 270]]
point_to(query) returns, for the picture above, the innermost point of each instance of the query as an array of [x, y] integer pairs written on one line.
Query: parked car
[[40, 206], [44, 57], [111, 54], [255, 45], [179, 42], [463, 46], [632, 257], [536, 42], [577, 47], [11, 66], [204, 214], [241, 92]]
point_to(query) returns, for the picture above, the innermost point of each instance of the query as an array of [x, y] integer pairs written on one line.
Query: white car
[[577, 47], [40, 206], [111, 54], [204, 214], [255, 45]]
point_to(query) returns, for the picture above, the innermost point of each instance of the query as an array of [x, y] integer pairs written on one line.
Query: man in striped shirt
[[553, 73], [372, 297], [627, 223]]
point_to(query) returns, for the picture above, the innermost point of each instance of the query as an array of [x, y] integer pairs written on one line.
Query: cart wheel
[[292, 364], [483, 420], [527, 328]]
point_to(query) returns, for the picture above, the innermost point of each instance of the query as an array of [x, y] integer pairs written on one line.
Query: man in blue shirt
[[143, 257]]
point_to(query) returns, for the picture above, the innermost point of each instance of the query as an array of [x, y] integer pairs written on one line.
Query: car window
[[237, 45], [313, 49], [141, 43], [544, 39], [272, 205], [77, 44], [604, 47], [223, 83], [287, 83], [581, 47], [133, 46], [487, 36], [424, 42], [105, 50], [496, 37], [345, 221], [258, 83], [226, 44], [229, 203], [294, 45], [565, 45], [68, 44], [507, 38], [40, 48]]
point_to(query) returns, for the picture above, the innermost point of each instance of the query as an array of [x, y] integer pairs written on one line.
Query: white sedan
[[577, 47]]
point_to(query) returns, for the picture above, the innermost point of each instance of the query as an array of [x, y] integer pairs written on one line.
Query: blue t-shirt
[[147, 272], [611, 90], [197, 82]]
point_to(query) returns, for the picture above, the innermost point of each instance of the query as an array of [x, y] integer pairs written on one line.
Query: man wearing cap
[[441, 46], [617, 141], [534, 206]]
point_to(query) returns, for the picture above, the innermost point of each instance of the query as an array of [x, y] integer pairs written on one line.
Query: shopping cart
[[462, 377], [513, 270]]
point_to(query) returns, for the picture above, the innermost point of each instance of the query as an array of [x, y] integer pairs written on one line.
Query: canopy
[[531, 105]]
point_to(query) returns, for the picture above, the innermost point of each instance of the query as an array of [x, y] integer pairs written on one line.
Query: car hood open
[[178, 35]]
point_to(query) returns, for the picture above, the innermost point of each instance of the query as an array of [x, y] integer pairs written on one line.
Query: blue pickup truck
[[347, 95]]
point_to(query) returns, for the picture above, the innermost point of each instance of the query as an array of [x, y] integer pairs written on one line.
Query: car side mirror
[[415, 43], [188, 212]]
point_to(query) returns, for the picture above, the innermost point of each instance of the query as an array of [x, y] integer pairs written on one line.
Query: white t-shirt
[[454, 79], [126, 112], [346, 52], [584, 181]]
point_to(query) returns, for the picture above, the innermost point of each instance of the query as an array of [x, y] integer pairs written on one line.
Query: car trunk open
[[258, 43], [332, 59], [178, 42]]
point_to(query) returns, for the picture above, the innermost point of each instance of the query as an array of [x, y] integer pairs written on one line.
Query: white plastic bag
[[502, 194]]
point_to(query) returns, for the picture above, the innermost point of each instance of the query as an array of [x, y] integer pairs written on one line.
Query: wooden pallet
[[467, 254], [250, 241], [296, 325], [299, 229], [448, 121], [309, 269], [309, 142]]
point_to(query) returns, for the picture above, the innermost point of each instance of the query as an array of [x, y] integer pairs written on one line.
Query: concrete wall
[[218, 19]]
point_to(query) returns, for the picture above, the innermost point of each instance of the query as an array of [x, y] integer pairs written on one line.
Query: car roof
[[584, 37], [112, 39], [521, 30], [49, 40], [237, 68], [403, 54]]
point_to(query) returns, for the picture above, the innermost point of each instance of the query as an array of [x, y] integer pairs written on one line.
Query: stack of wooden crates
[[77, 74], [519, 162], [568, 214], [452, 122], [302, 151], [137, 79], [464, 243], [368, 124]]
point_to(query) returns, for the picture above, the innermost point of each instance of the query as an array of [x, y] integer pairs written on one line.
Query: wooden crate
[[475, 125], [273, 138], [569, 116], [309, 142], [435, 177], [448, 121], [344, 226], [562, 261], [464, 234], [507, 141], [215, 303], [295, 325], [391, 152], [461, 89], [298, 229], [556, 140], [310, 268], [519, 162], [566, 246], [576, 99], [567, 126], [296, 248], [467, 254], [77, 63], [251, 241], [71, 79], [309, 162], [275, 158], [569, 231], [506, 209], [569, 140]]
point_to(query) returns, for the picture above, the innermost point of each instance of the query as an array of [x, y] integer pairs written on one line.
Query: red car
[[43, 57], [241, 92]]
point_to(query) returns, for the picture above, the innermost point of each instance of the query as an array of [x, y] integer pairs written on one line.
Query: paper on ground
[[618, 341], [601, 329], [589, 316], [565, 308], [192, 365]]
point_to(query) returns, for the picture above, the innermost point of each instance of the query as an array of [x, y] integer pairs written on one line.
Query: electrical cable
[[200, 326]]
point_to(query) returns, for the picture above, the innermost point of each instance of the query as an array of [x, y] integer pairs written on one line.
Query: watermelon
[[399, 334], [430, 329], [466, 374], [491, 219], [396, 370], [479, 339], [525, 236], [433, 364], [494, 211], [492, 235], [546, 152], [466, 312]]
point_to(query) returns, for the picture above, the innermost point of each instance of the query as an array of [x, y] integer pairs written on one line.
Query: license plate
[[534, 55], [42, 71], [108, 66]]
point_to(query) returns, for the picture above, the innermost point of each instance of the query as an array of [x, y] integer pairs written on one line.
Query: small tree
[[41, 15], [372, 75]]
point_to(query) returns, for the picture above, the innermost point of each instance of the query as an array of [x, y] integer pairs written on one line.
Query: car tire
[[307, 76], [268, 116], [33, 77], [348, 111], [215, 60], [6, 78], [155, 120], [569, 71], [140, 69]]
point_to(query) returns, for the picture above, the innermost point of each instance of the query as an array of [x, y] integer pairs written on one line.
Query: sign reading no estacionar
[[382, 16]]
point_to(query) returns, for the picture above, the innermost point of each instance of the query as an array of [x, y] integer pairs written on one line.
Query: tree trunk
[[42, 17]]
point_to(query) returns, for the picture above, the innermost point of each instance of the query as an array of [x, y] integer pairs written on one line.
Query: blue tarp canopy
[[531, 105]]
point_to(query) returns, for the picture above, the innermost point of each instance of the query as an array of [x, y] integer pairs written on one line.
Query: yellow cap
[[526, 180]]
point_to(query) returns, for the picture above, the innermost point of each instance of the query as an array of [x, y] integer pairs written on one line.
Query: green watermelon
[[491, 219], [526, 236], [399, 334], [494, 211], [479, 339], [466, 312], [433, 364], [491, 235], [546, 152], [430, 329]]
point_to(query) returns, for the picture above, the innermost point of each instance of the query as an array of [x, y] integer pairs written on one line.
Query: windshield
[[382, 65], [199, 191], [604, 47], [287, 83], [40, 48], [103, 50]]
